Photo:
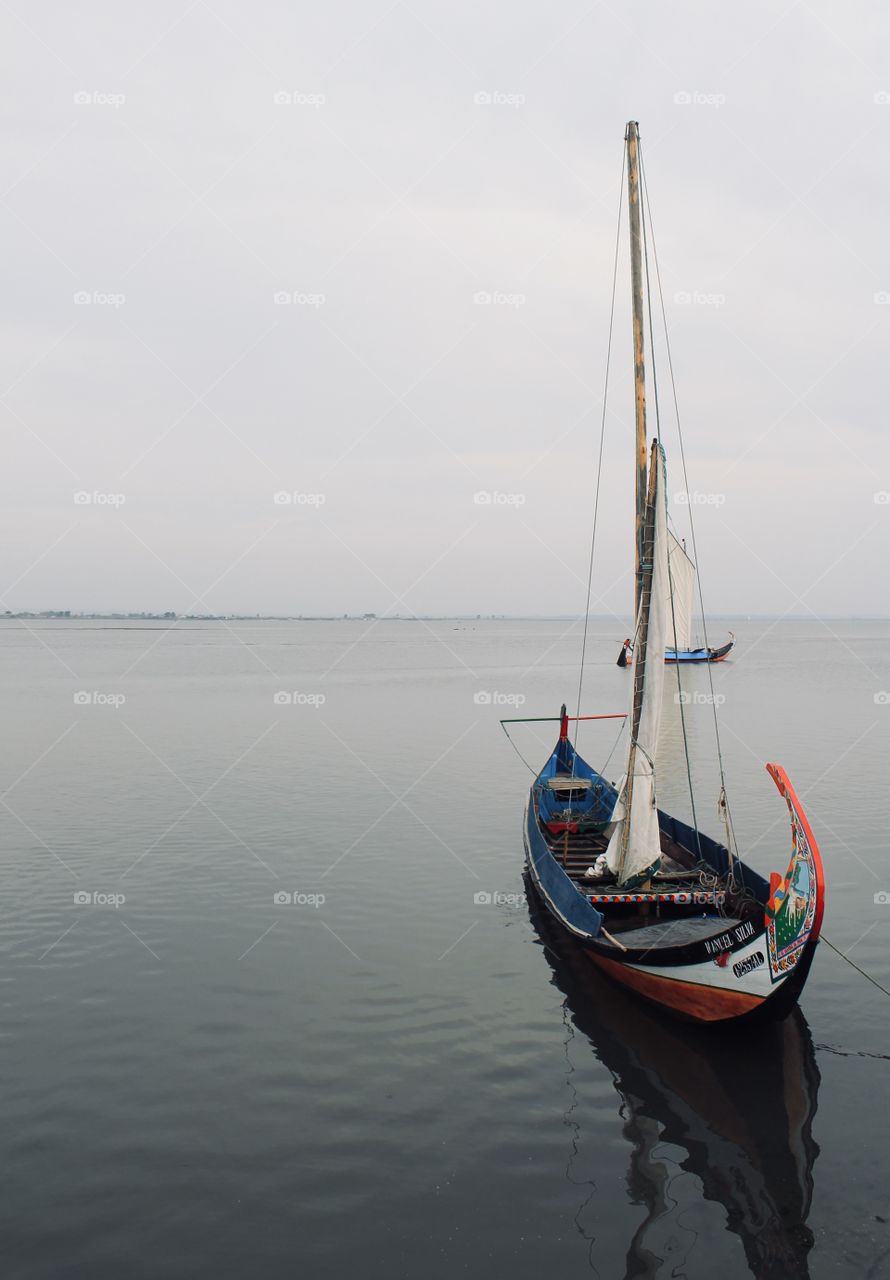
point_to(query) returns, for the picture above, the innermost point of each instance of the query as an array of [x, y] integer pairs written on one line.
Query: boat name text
[[730, 940]]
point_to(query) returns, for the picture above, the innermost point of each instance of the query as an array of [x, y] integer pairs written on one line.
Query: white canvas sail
[[683, 583], [643, 846]]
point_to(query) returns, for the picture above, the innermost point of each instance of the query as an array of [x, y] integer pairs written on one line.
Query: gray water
[[400, 1080]]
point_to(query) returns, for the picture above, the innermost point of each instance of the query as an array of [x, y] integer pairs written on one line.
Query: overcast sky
[[382, 165]]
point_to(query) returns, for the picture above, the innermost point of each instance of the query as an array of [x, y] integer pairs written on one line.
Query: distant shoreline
[[171, 619]]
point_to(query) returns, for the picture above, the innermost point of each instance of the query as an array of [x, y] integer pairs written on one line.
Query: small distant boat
[[681, 581], [659, 906]]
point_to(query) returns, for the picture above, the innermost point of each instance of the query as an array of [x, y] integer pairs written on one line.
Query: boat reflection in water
[[741, 1107]]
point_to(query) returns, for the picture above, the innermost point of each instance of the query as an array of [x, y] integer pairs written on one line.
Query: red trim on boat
[[783, 782]]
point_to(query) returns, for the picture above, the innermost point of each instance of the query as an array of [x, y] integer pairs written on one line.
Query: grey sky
[[385, 186]]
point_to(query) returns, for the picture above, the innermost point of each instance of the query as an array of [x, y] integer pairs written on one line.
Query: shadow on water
[[739, 1102]]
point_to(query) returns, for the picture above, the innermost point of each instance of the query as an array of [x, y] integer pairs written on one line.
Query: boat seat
[[673, 933], [568, 790]]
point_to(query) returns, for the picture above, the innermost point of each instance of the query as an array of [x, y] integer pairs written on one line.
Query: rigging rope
[[732, 844], [533, 772], [599, 465], [644, 222]]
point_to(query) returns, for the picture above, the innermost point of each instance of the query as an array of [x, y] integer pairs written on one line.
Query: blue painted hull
[[698, 655], [558, 891]]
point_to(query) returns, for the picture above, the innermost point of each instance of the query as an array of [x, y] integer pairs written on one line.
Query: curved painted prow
[[797, 900]]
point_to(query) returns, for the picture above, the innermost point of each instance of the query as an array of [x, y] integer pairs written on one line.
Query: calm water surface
[[403, 1079]]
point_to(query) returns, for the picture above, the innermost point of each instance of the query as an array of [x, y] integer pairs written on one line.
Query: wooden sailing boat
[[658, 905], [741, 1122]]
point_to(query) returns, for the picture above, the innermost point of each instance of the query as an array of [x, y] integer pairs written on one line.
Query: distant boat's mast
[[636, 278]]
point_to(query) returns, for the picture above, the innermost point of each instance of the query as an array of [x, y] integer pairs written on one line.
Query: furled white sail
[[683, 583], [640, 856]]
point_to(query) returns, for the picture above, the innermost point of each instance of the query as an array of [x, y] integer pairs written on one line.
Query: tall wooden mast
[[631, 138]]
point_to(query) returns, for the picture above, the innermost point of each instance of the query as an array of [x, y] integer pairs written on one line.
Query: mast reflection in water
[[740, 1102]]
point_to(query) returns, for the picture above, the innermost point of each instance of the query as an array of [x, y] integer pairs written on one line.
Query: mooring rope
[[854, 965]]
